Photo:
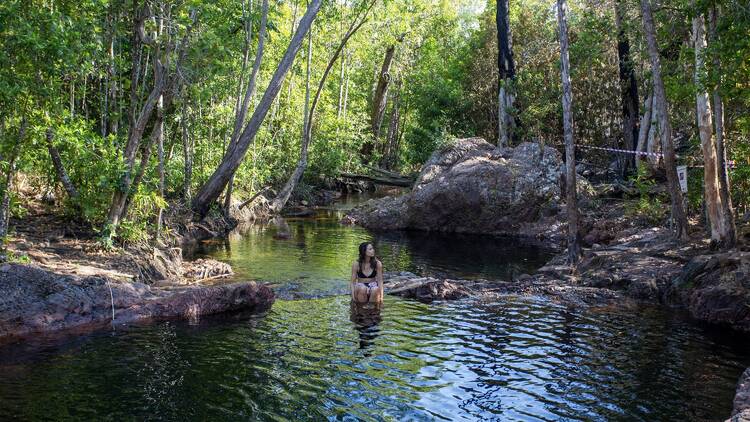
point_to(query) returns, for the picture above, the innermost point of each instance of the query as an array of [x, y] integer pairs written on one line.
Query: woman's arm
[[354, 279], [380, 279]]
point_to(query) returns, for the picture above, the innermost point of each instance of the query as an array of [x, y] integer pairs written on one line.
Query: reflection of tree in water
[[366, 317], [457, 255]]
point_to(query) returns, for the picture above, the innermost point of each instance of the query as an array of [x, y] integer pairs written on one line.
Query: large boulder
[[474, 187]]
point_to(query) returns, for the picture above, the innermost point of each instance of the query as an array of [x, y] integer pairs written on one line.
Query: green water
[[318, 359]]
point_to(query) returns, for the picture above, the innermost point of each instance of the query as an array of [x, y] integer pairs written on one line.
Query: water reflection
[[366, 317]]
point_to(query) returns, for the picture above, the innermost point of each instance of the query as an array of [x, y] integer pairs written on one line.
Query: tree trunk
[[643, 130], [232, 159], [391, 151], [160, 153], [242, 110], [381, 92], [8, 189], [506, 75], [726, 198], [162, 83], [653, 140], [721, 234], [665, 128], [629, 93], [62, 175], [187, 154], [574, 248], [286, 192]]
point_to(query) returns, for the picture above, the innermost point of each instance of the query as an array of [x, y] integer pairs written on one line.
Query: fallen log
[[403, 181]]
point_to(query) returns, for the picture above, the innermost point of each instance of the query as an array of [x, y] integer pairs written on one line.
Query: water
[[318, 359]]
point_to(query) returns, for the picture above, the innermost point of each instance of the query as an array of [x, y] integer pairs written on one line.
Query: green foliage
[[648, 206]]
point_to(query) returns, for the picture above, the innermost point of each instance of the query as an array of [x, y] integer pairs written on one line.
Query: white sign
[[682, 177]]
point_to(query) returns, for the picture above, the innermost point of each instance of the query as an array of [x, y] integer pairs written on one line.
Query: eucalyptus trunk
[[665, 127], [216, 183]]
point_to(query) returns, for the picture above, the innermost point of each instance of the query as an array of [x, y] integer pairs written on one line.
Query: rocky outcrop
[[472, 186], [33, 300], [716, 288], [741, 411]]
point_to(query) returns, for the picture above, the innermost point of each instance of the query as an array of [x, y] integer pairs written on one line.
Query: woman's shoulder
[[378, 263]]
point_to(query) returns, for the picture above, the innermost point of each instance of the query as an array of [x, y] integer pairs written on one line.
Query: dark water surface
[[318, 359]]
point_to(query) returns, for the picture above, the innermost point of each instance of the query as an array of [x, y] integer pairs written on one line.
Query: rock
[[715, 288], [474, 187], [33, 300], [741, 411]]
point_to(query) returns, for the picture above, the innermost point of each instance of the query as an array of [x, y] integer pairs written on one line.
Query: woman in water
[[367, 276]]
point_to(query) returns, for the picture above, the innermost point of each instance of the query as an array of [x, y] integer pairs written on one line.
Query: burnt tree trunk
[[574, 246], [628, 92], [506, 75]]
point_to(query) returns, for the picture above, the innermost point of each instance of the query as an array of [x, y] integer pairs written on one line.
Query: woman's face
[[370, 251]]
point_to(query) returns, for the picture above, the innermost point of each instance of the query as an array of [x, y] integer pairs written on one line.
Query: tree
[[571, 199], [665, 128], [242, 109], [211, 190], [286, 192], [722, 232], [506, 75], [628, 91], [721, 152]]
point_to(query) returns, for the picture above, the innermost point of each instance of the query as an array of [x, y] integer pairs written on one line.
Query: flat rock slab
[[34, 300]]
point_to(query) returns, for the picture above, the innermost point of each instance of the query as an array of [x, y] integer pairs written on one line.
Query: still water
[[315, 358]]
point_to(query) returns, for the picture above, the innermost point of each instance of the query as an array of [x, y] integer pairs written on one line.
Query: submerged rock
[[33, 300], [472, 186]]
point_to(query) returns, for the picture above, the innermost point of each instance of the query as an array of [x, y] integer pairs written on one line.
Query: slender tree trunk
[[187, 154], [721, 152], [390, 150], [665, 128], [721, 233], [653, 142], [242, 110], [232, 159], [62, 175], [346, 92], [162, 83], [286, 192], [506, 75], [379, 101], [574, 247], [643, 130], [8, 188], [628, 91], [160, 153]]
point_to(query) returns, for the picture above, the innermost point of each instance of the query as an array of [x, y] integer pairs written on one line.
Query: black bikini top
[[360, 274]]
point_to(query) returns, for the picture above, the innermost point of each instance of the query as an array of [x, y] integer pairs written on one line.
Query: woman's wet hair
[[363, 255]]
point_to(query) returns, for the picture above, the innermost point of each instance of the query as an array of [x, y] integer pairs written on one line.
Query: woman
[[367, 276]]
